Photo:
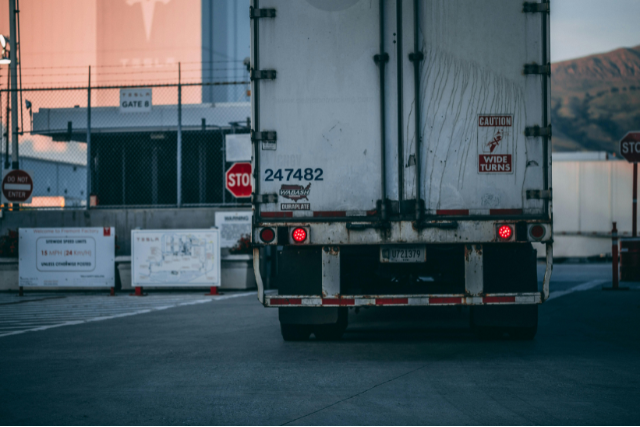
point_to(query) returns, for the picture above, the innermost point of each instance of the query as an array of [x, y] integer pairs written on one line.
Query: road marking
[[48, 312], [583, 287]]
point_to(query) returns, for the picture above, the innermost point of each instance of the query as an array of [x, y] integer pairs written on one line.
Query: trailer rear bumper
[[401, 300], [474, 292]]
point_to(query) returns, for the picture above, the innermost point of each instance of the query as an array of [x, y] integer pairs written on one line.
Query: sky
[[584, 27]]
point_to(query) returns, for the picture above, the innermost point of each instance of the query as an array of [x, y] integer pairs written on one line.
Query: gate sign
[[238, 180], [135, 100], [630, 147], [17, 186]]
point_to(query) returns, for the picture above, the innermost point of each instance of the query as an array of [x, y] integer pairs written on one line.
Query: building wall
[[588, 195], [132, 42], [56, 180], [226, 42]]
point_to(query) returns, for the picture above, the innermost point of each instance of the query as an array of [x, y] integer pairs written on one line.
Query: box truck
[[401, 157]]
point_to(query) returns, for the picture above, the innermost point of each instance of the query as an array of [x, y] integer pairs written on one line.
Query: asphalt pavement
[[167, 359]]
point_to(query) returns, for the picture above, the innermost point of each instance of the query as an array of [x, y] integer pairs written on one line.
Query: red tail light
[[537, 232], [299, 235], [505, 232], [267, 235]]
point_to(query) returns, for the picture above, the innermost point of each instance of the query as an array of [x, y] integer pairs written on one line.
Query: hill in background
[[595, 100]]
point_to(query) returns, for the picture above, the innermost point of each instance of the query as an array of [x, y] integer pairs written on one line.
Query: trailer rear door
[[323, 105], [478, 88], [476, 103]]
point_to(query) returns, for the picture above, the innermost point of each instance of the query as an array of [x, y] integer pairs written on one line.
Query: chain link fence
[[127, 147]]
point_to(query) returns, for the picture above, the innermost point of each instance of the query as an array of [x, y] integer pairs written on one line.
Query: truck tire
[[333, 331], [295, 332]]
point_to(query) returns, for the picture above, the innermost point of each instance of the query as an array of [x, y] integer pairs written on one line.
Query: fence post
[[224, 167], [179, 156], [15, 108], [7, 164], [89, 168]]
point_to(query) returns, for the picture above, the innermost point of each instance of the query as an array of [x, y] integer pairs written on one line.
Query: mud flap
[[308, 315]]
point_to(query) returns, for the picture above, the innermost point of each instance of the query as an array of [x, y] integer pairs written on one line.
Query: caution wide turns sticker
[[495, 144]]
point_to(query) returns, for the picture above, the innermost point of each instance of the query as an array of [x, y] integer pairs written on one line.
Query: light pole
[[14, 86], [5, 59]]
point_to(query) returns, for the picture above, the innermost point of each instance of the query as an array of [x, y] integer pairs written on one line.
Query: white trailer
[[365, 210]]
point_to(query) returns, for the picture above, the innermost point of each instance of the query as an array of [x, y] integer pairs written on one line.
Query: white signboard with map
[[175, 257], [233, 226]]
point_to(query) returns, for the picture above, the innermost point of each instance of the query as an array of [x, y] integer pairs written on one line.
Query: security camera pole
[[14, 86]]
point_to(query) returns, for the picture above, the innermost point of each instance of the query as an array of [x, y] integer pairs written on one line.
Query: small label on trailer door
[[495, 143], [295, 206]]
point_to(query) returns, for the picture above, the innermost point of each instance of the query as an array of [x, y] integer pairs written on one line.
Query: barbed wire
[[140, 72], [123, 66], [146, 84]]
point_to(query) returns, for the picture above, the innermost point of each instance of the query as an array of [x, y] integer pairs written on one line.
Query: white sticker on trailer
[[495, 144]]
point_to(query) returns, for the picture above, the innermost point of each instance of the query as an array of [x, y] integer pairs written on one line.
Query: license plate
[[401, 254]]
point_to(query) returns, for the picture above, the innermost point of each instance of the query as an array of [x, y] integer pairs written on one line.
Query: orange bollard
[[214, 291], [614, 255], [615, 262], [138, 292]]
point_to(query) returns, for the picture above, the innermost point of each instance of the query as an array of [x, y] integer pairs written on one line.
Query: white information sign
[[67, 257], [238, 147], [233, 226], [135, 100], [175, 257]]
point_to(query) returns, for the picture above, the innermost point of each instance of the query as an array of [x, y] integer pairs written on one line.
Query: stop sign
[[630, 147], [17, 186], [238, 180]]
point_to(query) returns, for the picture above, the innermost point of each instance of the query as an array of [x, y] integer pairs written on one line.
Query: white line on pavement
[[133, 313], [583, 287]]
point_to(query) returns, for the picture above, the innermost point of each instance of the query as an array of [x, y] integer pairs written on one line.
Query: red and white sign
[[238, 180], [495, 144], [17, 186], [630, 147]]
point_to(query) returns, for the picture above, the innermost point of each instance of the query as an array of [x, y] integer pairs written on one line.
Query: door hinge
[[268, 138], [537, 69], [258, 199], [530, 7], [416, 57], [538, 131], [538, 194], [263, 74], [384, 58], [261, 13]]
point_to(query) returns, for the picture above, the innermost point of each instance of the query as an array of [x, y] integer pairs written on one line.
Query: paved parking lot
[[190, 359]]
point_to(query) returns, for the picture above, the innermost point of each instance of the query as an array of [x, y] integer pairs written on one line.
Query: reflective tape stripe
[[338, 301], [402, 300], [329, 213], [453, 212], [445, 300], [392, 301], [497, 300], [506, 212], [286, 301]]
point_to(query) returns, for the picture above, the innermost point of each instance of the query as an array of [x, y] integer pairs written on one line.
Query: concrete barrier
[[9, 275]]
